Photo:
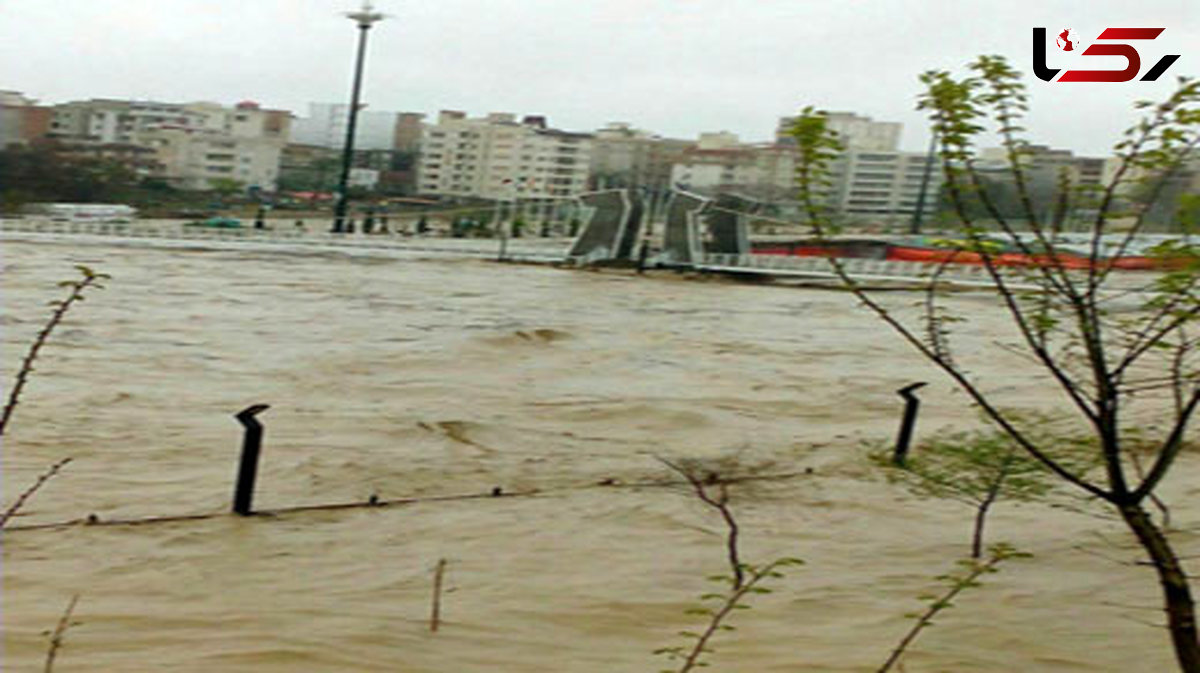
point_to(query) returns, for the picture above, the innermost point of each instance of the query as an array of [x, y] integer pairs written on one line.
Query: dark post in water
[[911, 405], [243, 494]]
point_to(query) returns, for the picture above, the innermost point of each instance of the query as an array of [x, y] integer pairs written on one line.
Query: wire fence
[[374, 502]]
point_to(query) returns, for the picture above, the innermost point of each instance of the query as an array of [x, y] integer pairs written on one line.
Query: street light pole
[[364, 18], [919, 213]]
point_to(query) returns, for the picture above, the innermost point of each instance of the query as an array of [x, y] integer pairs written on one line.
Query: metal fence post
[[243, 494], [911, 405]]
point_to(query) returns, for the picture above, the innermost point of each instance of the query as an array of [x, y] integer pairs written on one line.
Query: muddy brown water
[[434, 376]]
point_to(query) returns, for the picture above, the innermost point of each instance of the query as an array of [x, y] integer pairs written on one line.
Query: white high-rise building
[[497, 157], [856, 132], [761, 171], [623, 156], [872, 181], [326, 124], [873, 187]]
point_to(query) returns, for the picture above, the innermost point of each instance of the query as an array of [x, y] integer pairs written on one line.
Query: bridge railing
[[866, 269], [532, 249]]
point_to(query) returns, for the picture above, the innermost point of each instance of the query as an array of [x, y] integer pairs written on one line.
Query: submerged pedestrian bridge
[[619, 227]]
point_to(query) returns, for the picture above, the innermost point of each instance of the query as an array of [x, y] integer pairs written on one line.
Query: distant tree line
[[50, 172], [45, 172]]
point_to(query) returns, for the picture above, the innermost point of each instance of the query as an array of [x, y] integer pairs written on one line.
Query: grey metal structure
[[616, 218], [612, 226], [682, 241], [728, 233]]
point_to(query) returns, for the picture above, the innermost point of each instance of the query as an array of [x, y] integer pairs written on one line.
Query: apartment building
[[109, 121], [497, 157], [623, 156], [189, 145], [718, 163], [1047, 164], [1043, 171], [410, 127], [856, 132], [872, 181], [22, 120], [192, 159], [874, 187]]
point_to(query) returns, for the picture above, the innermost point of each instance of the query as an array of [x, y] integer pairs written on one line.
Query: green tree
[[1188, 213], [225, 187], [49, 172], [1106, 364]]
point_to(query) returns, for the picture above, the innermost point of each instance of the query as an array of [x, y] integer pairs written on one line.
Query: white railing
[[857, 268], [527, 249], [516, 249]]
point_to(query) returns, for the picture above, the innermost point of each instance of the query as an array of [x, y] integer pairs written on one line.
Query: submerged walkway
[[176, 235], [528, 249]]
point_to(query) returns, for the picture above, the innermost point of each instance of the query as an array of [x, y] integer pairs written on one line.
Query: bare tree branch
[[56, 638], [1144, 342], [1181, 158], [720, 503], [731, 603], [1170, 450], [28, 493], [89, 279]]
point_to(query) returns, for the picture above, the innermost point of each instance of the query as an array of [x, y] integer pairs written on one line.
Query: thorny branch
[[435, 610], [56, 638], [975, 570], [732, 603], [90, 279], [28, 493]]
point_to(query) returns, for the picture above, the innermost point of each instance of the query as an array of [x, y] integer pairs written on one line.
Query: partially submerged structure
[[612, 221], [616, 220]]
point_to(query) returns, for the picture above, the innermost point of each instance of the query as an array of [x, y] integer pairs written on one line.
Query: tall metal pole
[[365, 18], [919, 213]]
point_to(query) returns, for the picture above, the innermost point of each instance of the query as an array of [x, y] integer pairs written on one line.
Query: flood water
[[427, 377]]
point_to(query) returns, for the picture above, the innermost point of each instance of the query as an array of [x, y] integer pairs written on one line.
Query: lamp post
[[919, 213], [365, 17]]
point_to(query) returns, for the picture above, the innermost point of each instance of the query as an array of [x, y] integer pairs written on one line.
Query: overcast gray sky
[[675, 67]]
